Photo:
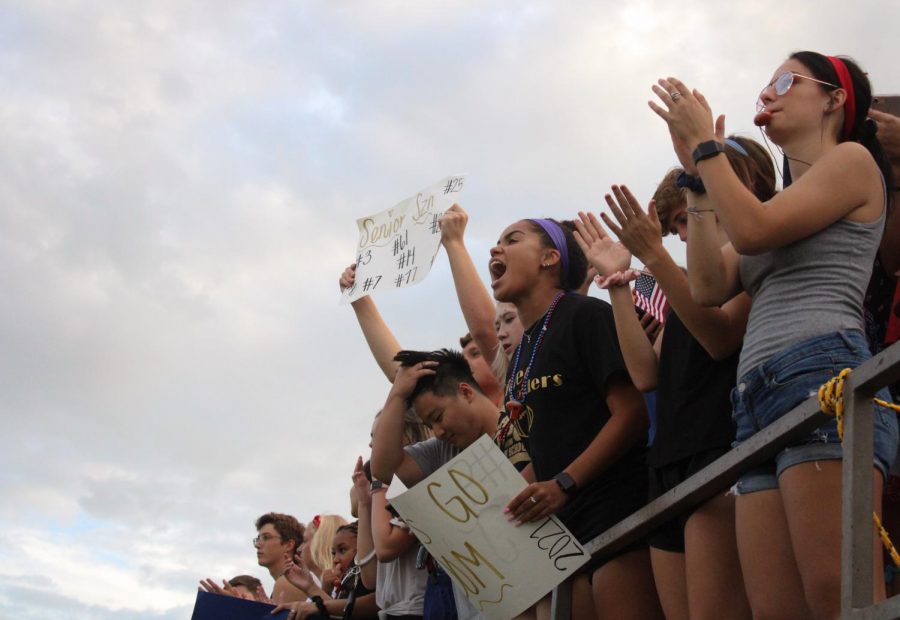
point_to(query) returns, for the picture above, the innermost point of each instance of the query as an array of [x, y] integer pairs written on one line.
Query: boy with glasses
[[277, 538]]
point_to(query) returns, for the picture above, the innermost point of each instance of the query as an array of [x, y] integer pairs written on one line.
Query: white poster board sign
[[397, 247], [457, 513]]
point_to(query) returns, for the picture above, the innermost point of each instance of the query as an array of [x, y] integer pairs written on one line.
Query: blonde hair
[[320, 546], [500, 366]]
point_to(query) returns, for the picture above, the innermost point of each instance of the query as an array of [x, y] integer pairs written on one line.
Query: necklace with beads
[[516, 403]]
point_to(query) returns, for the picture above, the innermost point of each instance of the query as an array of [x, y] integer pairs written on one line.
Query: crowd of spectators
[[784, 287]]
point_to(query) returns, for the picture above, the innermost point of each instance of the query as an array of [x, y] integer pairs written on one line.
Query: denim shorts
[[777, 386]]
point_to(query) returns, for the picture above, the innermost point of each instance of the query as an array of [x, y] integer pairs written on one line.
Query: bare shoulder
[[849, 159], [852, 161], [286, 592], [844, 182]]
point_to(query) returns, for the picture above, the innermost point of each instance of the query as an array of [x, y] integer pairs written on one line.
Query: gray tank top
[[811, 287]]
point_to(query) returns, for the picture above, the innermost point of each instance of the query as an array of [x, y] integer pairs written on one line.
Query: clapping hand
[[603, 253], [640, 232]]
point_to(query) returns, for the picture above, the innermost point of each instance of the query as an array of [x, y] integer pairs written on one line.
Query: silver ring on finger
[[675, 95], [533, 501]]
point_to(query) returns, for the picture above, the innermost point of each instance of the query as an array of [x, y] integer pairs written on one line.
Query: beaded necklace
[[516, 403]]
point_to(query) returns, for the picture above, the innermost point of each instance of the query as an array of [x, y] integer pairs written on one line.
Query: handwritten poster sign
[[457, 513], [397, 247]]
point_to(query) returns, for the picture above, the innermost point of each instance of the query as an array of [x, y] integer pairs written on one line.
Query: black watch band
[[707, 149], [375, 485], [320, 605], [566, 483]]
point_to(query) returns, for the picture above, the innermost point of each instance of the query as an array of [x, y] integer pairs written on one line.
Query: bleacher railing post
[[856, 510]]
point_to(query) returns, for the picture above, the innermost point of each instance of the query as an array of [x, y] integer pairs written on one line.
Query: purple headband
[[558, 237]]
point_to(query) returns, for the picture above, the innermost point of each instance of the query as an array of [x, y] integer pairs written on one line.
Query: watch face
[[707, 149], [565, 482]]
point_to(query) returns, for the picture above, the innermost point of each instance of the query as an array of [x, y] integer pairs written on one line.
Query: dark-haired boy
[[439, 386]]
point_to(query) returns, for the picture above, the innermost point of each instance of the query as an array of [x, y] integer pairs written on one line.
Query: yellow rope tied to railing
[[831, 402]]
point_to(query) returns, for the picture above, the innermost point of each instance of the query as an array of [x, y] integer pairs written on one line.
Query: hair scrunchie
[[619, 278]]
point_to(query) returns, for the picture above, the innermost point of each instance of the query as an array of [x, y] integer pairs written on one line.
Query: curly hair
[[287, 527], [668, 197]]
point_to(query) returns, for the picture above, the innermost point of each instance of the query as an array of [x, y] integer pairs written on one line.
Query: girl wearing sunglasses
[[804, 257]]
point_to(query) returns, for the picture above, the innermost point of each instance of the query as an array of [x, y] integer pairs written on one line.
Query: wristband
[[698, 213], [320, 605], [366, 559], [707, 149], [619, 278]]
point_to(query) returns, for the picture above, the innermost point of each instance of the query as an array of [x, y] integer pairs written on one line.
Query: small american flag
[[650, 298]]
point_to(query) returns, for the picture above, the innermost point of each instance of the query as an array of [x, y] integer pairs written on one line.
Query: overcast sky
[[179, 183]]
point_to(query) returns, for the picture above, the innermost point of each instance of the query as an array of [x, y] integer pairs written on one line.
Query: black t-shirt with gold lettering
[[566, 402], [512, 437]]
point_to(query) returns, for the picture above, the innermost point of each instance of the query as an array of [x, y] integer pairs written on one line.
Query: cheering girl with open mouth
[[588, 422]]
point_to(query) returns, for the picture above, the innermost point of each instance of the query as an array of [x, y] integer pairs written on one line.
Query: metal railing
[[856, 543]]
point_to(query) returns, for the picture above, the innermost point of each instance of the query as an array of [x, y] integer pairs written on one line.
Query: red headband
[[847, 84]]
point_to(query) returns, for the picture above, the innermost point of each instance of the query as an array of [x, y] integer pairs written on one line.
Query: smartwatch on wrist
[[376, 485], [320, 605], [566, 483], [707, 149]]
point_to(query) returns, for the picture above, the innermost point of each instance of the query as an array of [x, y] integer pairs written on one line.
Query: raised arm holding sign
[[397, 247]]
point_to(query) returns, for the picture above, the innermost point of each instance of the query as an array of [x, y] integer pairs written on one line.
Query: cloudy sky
[[179, 182]]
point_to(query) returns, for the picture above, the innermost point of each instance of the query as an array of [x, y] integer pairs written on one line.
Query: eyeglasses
[[783, 84], [263, 538]]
